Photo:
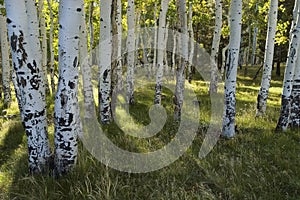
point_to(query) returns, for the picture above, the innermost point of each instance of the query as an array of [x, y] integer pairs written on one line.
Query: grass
[[256, 164]]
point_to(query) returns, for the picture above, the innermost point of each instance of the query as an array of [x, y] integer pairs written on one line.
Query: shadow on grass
[[12, 140]]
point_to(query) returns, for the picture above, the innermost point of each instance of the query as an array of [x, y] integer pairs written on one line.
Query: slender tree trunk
[[85, 66], [247, 51], [131, 51], [294, 110], [268, 59], [43, 42], [119, 41], [174, 54], [66, 100], [6, 69], [155, 40], [160, 50], [293, 54], [183, 48], [191, 34], [51, 49], [166, 63], [224, 60], [254, 43], [105, 55], [23, 33], [231, 68], [213, 88], [91, 31]]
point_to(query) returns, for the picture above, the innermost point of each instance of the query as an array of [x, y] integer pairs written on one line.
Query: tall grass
[[256, 164]]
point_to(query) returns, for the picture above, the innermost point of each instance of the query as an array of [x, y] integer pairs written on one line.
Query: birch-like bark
[[51, 49], [119, 67], [294, 108], [254, 40], [191, 34], [66, 100], [154, 64], [213, 87], [91, 30], [105, 54], [85, 66], [292, 59], [166, 64], [6, 69], [131, 52], [268, 59], [231, 68], [183, 48], [43, 42], [22, 24], [174, 54], [224, 60], [160, 50]]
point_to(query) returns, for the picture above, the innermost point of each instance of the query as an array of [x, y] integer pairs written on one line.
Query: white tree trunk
[[105, 61], [224, 60], [191, 34], [292, 60], [6, 69], [268, 59], [294, 100], [131, 51], [66, 100], [213, 88], [91, 30], [23, 33], [85, 66], [51, 49], [43, 42], [231, 68], [154, 64], [183, 49], [160, 50], [166, 65], [174, 54], [119, 41]]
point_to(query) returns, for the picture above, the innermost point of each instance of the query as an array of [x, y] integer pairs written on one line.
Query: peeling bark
[[105, 54], [66, 99], [231, 68], [268, 59], [183, 49], [26, 57], [290, 68], [131, 52], [160, 50], [213, 87]]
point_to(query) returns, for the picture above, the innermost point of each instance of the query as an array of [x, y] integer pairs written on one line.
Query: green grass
[[257, 164]]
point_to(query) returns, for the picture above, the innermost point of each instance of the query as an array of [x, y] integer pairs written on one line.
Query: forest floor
[[257, 164]]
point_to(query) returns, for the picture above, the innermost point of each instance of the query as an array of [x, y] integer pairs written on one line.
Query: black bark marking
[[14, 40], [23, 82], [75, 62], [34, 82], [78, 9], [105, 74], [71, 84], [33, 68], [63, 99], [66, 122], [8, 21]]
